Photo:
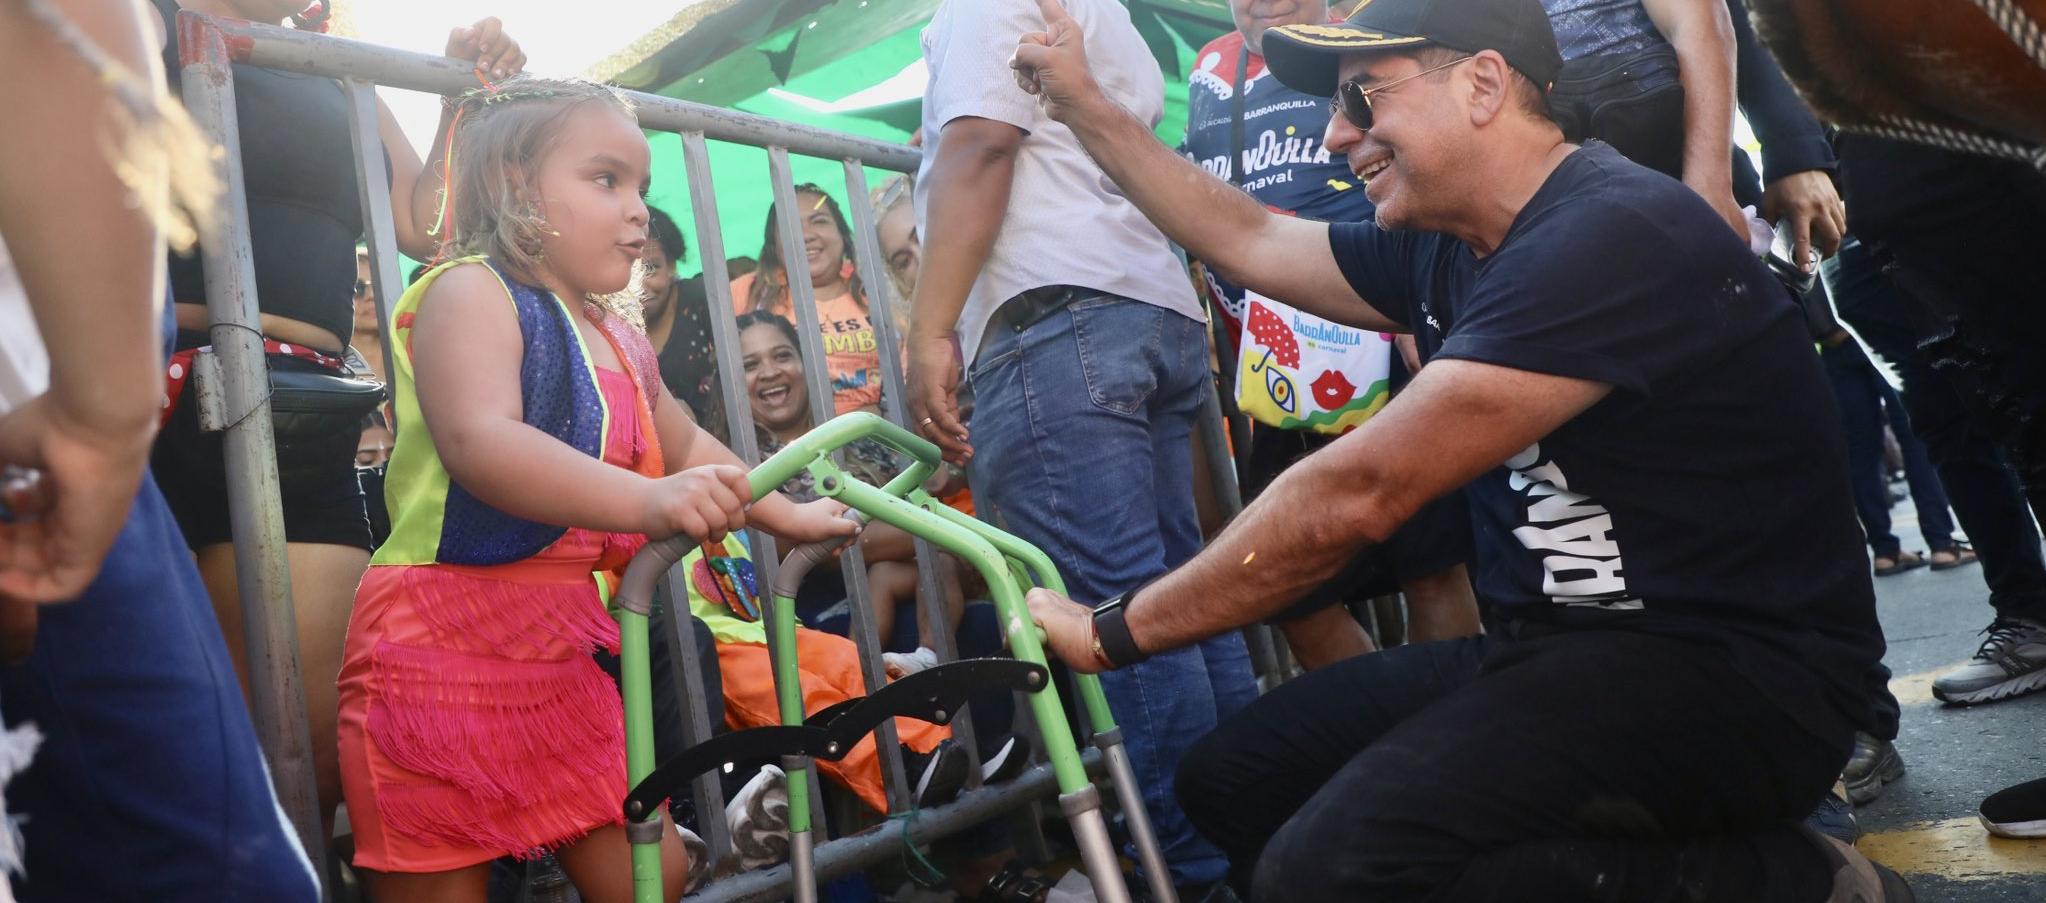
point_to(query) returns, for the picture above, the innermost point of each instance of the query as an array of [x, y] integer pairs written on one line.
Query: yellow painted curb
[[1957, 849]]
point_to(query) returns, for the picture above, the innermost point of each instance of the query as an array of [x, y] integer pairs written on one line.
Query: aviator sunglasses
[[1353, 100]]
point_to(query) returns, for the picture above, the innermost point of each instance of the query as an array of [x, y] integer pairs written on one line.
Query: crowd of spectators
[[1605, 454]]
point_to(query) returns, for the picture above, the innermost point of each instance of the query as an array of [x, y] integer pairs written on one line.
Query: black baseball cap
[[1305, 57]]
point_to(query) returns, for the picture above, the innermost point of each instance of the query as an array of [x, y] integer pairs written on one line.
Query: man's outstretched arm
[[1456, 420], [1282, 257]]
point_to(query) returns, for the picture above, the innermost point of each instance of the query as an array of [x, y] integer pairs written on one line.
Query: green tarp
[[741, 172]]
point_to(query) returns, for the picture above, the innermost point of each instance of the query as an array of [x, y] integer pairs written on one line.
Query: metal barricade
[[210, 48]]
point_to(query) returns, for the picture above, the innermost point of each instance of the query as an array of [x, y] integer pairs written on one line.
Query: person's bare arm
[[1702, 34], [416, 184], [91, 261], [685, 445], [1456, 420], [466, 353], [1282, 257], [968, 184], [415, 190]]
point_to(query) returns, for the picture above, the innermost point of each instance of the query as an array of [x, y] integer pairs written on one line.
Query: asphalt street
[[1924, 825]]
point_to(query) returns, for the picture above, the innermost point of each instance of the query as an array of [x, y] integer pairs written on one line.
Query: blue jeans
[[149, 784], [1863, 396], [1082, 438]]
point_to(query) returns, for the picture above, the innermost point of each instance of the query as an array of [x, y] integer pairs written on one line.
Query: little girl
[[536, 446]]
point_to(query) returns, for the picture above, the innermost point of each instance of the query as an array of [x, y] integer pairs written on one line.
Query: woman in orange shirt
[[852, 355]]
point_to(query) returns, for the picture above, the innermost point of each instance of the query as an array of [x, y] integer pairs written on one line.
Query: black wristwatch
[[1112, 639]]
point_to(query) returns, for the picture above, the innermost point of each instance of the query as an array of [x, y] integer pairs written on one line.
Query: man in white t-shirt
[[1087, 354]]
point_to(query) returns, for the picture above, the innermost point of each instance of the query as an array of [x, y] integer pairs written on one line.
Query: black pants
[[1578, 766], [1980, 485], [1633, 102], [1987, 277]]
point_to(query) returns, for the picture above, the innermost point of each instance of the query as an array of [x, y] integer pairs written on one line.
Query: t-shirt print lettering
[[1570, 533]]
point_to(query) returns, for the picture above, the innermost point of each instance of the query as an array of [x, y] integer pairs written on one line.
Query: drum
[[1965, 75]]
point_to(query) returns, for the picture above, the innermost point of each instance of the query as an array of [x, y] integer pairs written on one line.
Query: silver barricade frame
[[210, 47]]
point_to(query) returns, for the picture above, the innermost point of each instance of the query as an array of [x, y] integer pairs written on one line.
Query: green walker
[[1007, 563]]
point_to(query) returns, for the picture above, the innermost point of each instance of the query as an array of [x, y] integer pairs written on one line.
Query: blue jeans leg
[[1927, 495], [149, 784], [1081, 436], [1861, 415]]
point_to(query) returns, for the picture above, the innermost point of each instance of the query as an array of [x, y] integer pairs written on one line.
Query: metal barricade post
[[242, 400]]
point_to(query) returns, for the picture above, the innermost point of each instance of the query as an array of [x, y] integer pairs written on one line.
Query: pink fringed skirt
[[474, 723]]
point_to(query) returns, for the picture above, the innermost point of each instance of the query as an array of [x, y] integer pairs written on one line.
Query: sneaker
[[1216, 892], [1874, 763], [699, 861], [2011, 662], [939, 774], [2017, 811], [1857, 879], [899, 665], [1834, 816], [759, 818], [1007, 762]]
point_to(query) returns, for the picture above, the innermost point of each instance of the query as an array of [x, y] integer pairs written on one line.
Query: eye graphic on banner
[[1280, 388]]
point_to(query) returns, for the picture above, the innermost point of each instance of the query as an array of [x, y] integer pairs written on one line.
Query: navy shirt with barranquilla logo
[[1283, 163]]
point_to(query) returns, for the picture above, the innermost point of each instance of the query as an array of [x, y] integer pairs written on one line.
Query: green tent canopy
[[853, 66]]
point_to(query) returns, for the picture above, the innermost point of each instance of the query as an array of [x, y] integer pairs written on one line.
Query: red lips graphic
[[1332, 390]]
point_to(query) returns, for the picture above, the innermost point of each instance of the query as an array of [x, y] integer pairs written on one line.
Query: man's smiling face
[[1407, 158]]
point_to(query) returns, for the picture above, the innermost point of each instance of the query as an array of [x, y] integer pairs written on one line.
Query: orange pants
[[829, 665]]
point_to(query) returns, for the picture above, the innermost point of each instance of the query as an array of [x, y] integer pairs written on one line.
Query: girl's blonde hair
[[489, 196], [896, 192]]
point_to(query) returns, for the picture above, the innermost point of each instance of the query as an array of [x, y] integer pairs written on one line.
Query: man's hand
[[1814, 208], [934, 394], [1052, 64], [486, 45], [1068, 630], [62, 528]]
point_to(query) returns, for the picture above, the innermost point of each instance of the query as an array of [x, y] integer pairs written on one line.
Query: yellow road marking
[[1916, 689], [1957, 849]]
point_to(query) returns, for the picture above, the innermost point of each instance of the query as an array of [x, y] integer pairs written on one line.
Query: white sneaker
[[902, 664], [1007, 761], [759, 817], [699, 860], [2011, 662]]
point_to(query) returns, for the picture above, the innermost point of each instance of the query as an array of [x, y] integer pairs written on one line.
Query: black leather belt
[[1020, 312]]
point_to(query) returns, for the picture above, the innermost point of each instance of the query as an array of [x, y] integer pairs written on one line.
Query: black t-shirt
[[298, 171], [689, 358], [1706, 497]]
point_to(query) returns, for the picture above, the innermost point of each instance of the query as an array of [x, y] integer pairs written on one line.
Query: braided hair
[[500, 135]]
